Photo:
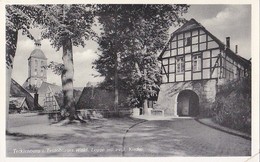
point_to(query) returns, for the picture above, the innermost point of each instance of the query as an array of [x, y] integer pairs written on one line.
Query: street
[[120, 137]]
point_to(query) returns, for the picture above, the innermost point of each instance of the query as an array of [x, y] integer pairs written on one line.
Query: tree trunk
[[145, 104], [116, 85], [11, 44], [67, 81]]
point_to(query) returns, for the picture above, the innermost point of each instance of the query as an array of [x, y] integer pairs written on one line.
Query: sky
[[221, 20]]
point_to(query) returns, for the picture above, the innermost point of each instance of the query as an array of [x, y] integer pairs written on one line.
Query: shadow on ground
[[122, 137]]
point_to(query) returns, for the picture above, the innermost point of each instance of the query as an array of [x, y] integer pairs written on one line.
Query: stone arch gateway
[[187, 103]]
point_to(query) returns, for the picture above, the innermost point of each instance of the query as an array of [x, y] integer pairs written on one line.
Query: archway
[[188, 103]]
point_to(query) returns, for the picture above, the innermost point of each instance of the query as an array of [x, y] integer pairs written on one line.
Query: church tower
[[36, 71]]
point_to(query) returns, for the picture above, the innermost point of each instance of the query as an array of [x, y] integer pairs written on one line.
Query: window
[[180, 64], [42, 67], [41, 72], [197, 63], [35, 71], [36, 63], [188, 41], [172, 68], [235, 72]]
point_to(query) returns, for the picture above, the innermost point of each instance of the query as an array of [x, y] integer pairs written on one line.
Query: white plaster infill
[[153, 117]]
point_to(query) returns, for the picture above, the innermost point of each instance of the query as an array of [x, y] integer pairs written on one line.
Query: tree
[[110, 39], [18, 17], [67, 26], [132, 37]]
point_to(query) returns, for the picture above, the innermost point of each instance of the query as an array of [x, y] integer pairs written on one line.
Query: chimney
[[236, 51], [36, 96], [228, 42]]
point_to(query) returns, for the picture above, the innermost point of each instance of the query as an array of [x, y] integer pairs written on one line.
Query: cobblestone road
[[182, 137]]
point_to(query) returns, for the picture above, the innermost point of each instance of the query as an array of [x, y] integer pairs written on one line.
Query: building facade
[[37, 73], [194, 63], [48, 96]]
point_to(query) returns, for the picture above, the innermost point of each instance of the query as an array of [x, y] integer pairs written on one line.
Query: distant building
[[194, 63], [20, 99], [48, 96], [51, 96], [18, 105], [37, 73]]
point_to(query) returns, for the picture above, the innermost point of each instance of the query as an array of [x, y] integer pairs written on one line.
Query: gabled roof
[[189, 25], [235, 56], [192, 24], [53, 87], [17, 90]]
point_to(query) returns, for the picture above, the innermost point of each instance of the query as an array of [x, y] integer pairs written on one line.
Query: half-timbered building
[[194, 62]]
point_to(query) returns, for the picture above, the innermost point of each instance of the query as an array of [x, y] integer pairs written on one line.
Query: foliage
[[66, 25], [232, 107], [18, 17], [132, 36], [62, 22], [56, 68], [98, 98]]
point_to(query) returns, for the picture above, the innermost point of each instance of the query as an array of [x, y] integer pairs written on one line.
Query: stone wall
[[205, 89]]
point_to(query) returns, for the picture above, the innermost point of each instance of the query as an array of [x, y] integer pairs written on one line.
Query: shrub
[[232, 107]]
